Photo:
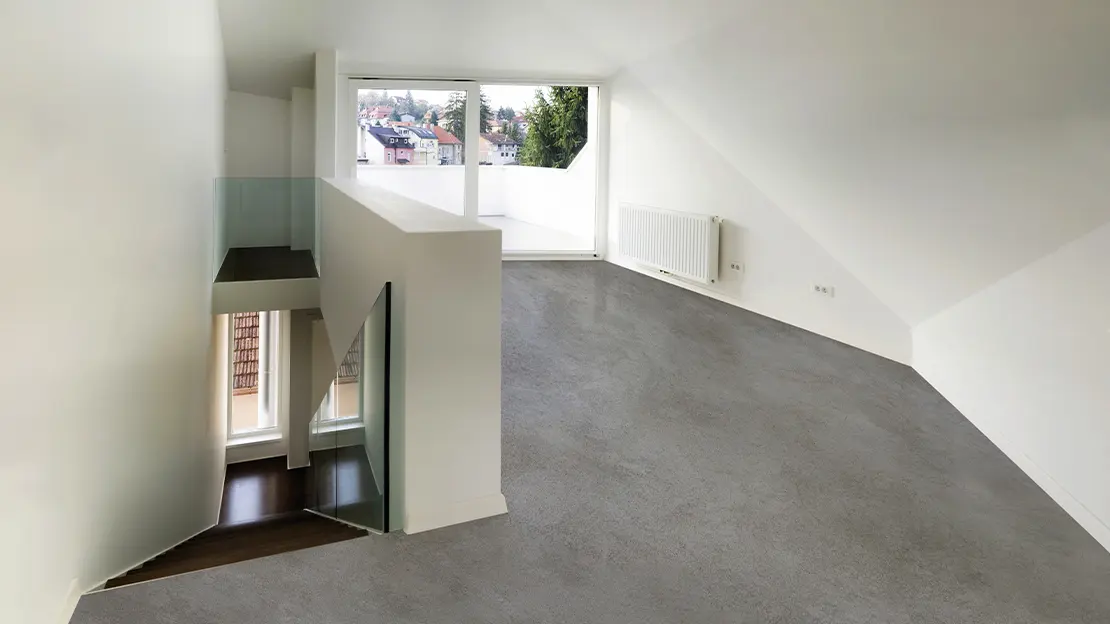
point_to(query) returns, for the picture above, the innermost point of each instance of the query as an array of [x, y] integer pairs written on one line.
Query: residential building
[[498, 149], [380, 113], [843, 360], [425, 144], [521, 122], [408, 118], [385, 146], [450, 147]]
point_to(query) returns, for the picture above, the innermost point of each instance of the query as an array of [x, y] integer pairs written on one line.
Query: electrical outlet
[[736, 266], [824, 291]]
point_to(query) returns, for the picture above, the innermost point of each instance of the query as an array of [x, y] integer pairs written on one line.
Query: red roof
[[445, 137], [245, 358]]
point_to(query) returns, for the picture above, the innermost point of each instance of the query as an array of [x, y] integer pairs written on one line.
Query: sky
[[518, 97]]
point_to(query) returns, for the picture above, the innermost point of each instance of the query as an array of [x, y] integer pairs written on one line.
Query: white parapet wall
[[559, 199], [445, 389]]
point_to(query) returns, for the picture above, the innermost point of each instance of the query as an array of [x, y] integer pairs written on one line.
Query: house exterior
[[384, 146], [498, 149], [378, 112], [521, 122], [450, 147], [425, 144]]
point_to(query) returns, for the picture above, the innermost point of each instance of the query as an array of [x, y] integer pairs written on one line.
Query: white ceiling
[[269, 43]]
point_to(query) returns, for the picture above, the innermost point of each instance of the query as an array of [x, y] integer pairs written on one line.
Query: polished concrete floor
[[668, 458]]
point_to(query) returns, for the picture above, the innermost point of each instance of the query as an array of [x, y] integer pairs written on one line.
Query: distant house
[[383, 146], [450, 147], [521, 122], [408, 118], [378, 112], [498, 149], [425, 143]]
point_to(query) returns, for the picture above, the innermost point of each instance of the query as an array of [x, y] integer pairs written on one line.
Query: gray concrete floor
[[668, 458]]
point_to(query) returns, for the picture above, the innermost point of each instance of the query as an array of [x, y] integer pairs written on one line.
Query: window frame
[[269, 332]]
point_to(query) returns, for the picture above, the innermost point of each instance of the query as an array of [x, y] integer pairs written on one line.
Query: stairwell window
[[254, 358], [341, 404]]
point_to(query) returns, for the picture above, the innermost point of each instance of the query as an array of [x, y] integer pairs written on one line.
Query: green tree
[[506, 113], [513, 132], [370, 99], [394, 116], [454, 114], [557, 127], [434, 119], [406, 105]]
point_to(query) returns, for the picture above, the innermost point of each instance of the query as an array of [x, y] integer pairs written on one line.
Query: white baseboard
[[427, 519], [631, 265]]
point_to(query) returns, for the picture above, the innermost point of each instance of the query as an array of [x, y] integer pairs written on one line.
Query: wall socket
[[736, 266], [823, 290]]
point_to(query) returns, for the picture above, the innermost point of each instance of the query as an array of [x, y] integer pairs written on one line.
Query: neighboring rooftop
[[245, 358], [422, 132], [445, 137], [500, 139], [388, 137]]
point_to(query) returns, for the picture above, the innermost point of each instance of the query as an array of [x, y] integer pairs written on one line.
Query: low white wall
[[283, 294], [437, 186], [561, 199], [445, 445], [1025, 360]]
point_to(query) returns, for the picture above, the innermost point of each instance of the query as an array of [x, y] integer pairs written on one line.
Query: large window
[[523, 158], [540, 150], [254, 361]]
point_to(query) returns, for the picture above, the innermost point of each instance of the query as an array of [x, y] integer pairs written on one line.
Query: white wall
[[111, 222], [327, 85], [258, 137], [303, 165], [1026, 360], [781, 262], [925, 144], [258, 192], [446, 274]]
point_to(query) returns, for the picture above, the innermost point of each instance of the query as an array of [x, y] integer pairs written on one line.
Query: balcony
[[538, 210]]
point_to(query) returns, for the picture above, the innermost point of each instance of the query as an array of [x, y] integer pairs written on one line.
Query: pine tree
[[557, 127], [506, 113], [406, 105], [434, 118], [455, 114]]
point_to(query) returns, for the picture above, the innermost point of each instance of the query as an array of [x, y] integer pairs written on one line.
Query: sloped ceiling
[[931, 146]]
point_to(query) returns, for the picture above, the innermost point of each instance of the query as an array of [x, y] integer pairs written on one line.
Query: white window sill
[[340, 425], [254, 438]]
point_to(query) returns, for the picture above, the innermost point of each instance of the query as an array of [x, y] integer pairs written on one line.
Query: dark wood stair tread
[[223, 545]]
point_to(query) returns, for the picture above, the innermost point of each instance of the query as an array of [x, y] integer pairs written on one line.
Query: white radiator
[[679, 243]]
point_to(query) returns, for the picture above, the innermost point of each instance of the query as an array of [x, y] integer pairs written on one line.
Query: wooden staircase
[[222, 545]]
